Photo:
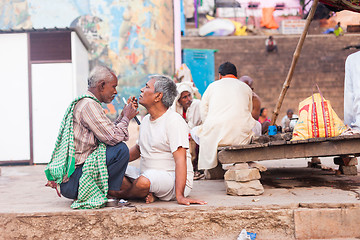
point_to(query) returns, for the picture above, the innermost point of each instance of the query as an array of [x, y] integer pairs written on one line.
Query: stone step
[[307, 221]]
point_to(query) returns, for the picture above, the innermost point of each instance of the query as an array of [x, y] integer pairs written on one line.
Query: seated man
[[189, 109], [256, 101], [226, 108], [289, 121], [97, 148], [165, 166], [255, 113]]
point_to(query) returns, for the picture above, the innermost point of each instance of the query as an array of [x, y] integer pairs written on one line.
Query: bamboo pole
[[296, 56]]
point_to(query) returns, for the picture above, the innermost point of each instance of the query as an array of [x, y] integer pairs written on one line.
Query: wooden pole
[[296, 56]]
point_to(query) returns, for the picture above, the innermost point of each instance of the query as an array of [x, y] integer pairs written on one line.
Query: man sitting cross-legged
[[165, 166]]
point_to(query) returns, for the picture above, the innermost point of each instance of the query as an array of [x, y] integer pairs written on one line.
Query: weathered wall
[[134, 38], [322, 61]]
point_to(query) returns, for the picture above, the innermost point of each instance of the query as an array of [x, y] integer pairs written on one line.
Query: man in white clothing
[[352, 91], [165, 166], [225, 108], [189, 109], [289, 121], [186, 105]]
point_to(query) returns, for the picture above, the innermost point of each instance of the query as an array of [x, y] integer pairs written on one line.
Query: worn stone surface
[[35, 212], [251, 188], [348, 170], [261, 168], [347, 161], [156, 223], [313, 147], [353, 161], [327, 223], [239, 166], [243, 175]]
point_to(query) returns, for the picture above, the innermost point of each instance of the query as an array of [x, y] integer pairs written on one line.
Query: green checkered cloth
[[93, 185]]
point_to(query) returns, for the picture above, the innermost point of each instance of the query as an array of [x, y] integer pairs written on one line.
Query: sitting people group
[[90, 160]]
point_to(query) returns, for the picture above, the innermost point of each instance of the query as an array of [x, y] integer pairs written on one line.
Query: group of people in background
[[210, 118]]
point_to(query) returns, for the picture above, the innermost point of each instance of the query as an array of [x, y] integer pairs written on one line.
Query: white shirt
[[193, 117], [159, 139], [352, 91], [286, 122]]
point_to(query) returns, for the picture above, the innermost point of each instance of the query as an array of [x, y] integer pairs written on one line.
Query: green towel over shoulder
[[93, 185]]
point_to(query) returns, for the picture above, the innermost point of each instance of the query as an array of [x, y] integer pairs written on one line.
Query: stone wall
[[322, 60]]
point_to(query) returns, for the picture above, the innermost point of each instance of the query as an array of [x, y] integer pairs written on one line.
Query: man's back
[[226, 113], [227, 99], [256, 101]]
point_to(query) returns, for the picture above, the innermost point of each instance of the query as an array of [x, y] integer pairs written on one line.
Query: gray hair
[[166, 86], [99, 73]]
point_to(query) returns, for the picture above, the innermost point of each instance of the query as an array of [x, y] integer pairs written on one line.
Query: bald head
[[248, 80]]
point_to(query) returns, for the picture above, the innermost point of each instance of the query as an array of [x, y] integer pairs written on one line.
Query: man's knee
[[142, 183], [117, 152], [68, 192], [122, 149]]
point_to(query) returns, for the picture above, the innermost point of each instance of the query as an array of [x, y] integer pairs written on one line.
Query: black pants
[[117, 159]]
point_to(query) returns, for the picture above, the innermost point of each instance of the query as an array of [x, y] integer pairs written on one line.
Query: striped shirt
[[91, 125]]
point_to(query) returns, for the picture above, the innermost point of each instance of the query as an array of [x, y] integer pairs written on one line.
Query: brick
[[347, 161], [261, 168], [353, 161], [251, 188], [348, 170], [239, 166], [243, 175]]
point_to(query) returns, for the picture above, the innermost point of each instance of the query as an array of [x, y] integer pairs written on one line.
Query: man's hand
[[134, 101], [130, 110], [187, 201]]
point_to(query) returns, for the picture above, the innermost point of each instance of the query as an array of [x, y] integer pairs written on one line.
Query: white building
[[247, 8], [41, 73]]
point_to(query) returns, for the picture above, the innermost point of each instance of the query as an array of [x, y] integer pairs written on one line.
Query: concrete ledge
[[135, 223], [28, 210], [186, 223], [327, 223]]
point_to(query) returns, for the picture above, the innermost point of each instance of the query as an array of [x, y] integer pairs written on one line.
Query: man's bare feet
[[150, 198]]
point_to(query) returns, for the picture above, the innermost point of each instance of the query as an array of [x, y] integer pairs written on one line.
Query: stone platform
[[298, 203]]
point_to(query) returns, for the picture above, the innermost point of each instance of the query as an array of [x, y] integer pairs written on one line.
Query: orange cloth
[[267, 19]]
